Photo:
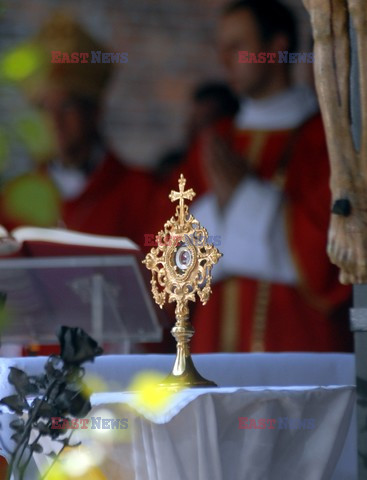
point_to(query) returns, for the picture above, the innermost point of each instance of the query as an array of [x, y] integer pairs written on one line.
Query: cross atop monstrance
[[181, 267], [181, 196]]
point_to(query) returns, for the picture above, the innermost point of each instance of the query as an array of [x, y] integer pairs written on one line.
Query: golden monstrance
[[181, 265]]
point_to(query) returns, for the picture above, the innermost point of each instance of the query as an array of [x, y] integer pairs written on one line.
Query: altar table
[[227, 370], [258, 433]]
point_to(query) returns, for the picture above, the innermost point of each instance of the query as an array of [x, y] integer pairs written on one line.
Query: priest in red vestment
[[263, 189], [85, 187]]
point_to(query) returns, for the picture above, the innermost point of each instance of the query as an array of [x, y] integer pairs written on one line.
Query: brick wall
[[171, 48]]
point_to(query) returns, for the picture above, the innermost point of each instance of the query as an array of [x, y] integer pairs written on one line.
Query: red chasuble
[[244, 314], [113, 202]]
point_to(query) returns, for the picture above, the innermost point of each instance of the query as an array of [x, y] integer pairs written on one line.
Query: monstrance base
[[189, 378]]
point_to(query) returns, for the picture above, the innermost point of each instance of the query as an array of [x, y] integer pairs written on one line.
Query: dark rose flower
[[77, 346]]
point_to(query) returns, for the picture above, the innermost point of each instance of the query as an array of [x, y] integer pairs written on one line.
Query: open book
[[56, 277], [15, 240]]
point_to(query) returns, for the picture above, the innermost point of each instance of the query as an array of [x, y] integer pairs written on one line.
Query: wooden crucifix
[[340, 34]]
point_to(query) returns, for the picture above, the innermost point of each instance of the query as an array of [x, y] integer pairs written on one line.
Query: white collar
[[71, 181], [287, 109]]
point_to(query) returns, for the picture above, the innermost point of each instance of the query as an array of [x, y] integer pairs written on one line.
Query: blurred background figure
[[83, 186], [210, 102], [262, 181], [261, 177]]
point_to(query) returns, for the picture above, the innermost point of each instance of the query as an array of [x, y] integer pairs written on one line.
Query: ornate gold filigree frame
[[181, 267]]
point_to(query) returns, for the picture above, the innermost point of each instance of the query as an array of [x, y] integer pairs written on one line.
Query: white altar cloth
[[197, 436], [227, 370]]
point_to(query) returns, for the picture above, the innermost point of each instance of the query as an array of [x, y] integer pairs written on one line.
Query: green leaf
[[15, 403], [36, 448], [44, 409], [17, 424], [42, 427], [73, 402], [21, 382], [16, 437]]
